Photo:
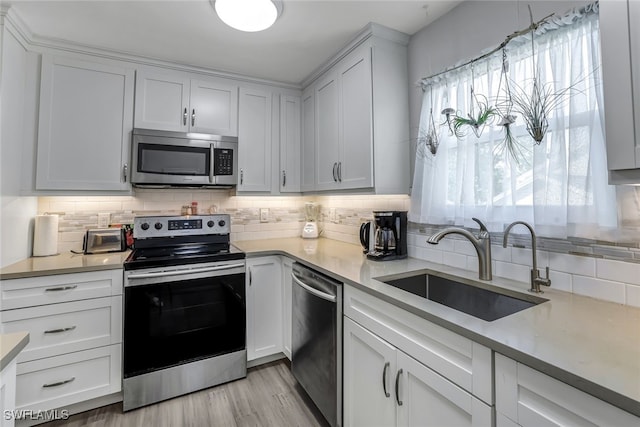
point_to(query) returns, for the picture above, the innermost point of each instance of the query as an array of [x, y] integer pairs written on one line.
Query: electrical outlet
[[332, 214], [104, 219], [264, 214]]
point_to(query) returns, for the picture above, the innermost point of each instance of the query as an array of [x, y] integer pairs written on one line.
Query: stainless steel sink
[[477, 299]]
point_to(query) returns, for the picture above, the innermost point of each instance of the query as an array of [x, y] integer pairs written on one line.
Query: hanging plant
[[429, 138], [449, 114], [480, 114], [504, 107]]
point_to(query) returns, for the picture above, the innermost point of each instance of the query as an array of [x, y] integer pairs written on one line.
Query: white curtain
[[559, 186]]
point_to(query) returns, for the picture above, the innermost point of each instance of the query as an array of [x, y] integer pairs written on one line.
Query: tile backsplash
[[598, 269]]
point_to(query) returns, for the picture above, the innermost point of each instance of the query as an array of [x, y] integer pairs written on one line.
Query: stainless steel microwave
[[177, 159]]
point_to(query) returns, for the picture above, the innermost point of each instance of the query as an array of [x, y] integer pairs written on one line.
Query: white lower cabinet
[[8, 394], [287, 266], [383, 386], [74, 322], [526, 397], [264, 307]]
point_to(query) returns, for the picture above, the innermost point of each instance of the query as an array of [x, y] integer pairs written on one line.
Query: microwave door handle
[[212, 162]]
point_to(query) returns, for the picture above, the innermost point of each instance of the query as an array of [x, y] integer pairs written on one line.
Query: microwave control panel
[[223, 161]]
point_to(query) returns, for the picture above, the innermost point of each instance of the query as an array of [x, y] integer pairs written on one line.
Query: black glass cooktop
[[182, 254]]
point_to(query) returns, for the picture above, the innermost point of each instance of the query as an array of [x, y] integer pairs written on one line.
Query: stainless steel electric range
[[184, 308]]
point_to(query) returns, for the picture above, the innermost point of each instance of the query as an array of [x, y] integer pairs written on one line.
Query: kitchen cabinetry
[[440, 377], [361, 118], [264, 307], [307, 148], [287, 266], [175, 102], [290, 136], [85, 123], [620, 41], [254, 136], [385, 386], [8, 393], [75, 325], [528, 398]]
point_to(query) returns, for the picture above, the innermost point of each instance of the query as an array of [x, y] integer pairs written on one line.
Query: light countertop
[[590, 344], [62, 264], [10, 345]]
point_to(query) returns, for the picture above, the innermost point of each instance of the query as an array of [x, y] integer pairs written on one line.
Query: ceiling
[[189, 32]]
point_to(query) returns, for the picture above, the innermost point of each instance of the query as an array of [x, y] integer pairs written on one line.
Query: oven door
[[182, 314]]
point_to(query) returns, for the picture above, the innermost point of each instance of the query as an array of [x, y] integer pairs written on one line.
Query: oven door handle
[[184, 272]]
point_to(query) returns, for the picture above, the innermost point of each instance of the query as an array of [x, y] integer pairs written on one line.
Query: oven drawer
[[60, 381], [32, 291], [67, 327]]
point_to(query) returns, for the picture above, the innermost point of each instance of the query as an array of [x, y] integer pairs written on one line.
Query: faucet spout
[[481, 243], [536, 279]]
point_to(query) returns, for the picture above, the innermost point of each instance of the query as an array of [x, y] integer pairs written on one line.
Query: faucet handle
[[483, 229]]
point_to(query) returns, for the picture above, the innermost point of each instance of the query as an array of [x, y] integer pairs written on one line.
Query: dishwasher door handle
[[313, 291]]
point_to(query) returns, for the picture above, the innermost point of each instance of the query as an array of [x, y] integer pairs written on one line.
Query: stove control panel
[[168, 226]]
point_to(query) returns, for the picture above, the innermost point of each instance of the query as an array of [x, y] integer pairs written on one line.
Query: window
[[559, 186]]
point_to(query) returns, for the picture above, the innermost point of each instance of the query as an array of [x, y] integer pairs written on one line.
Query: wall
[[16, 212]]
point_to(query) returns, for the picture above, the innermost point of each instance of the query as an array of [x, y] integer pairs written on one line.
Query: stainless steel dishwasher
[[316, 342]]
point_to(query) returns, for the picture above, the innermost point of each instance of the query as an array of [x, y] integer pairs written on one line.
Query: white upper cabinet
[[620, 44], [327, 140], [254, 141], [362, 118], [85, 123], [290, 136], [172, 101], [307, 149]]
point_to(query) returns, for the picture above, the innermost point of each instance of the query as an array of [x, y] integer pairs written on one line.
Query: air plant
[[475, 120], [449, 113], [428, 140]]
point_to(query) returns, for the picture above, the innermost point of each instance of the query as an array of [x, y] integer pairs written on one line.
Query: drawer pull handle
[[384, 379], [61, 288], [57, 331], [397, 387], [59, 383]]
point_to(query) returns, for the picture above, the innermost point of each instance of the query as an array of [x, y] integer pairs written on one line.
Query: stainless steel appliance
[[184, 308], [390, 235], [316, 342], [166, 159], [102, 240]]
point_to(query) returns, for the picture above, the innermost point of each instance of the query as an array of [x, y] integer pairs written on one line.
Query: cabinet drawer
[[530, 398], [67, 327], [60, 381], [32, 291], [461, 360]]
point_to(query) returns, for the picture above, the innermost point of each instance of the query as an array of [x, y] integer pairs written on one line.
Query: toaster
[[101, 240]]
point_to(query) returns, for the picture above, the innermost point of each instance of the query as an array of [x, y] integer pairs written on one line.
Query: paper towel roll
[[45, 235]]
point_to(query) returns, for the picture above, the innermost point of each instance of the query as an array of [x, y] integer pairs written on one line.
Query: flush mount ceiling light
[[248, 15]]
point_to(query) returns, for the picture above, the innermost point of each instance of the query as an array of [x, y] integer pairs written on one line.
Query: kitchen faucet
[[536, 280], [482, 244]]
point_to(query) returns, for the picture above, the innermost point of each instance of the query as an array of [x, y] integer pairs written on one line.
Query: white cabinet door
[[290, 135], [429, 399], [8, 393], [287, 265], [254, 140], [532, 399], [369, 368], [264, 307], [213, 108], [162, 101], [85, 123], [327, 133], [308, 156], [355, 169]]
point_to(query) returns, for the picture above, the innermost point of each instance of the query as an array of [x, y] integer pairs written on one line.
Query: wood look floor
[[268, 396]]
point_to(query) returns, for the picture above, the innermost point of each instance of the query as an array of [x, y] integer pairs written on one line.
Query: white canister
[[45, 235]]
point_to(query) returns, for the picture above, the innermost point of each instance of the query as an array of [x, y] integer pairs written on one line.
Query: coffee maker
[[390, 235]]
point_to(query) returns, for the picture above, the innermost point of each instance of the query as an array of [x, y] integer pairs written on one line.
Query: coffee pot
[[390, 236]]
